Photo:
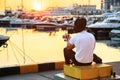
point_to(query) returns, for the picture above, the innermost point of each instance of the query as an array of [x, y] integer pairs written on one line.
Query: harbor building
[[111, 5]]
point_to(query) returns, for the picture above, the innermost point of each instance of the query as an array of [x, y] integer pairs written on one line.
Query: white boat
[[5, 21], [111, 23], [108, 14], [39, 25], [103, 28], [115, 34]]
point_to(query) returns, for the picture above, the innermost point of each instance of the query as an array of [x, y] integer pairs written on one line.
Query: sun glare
[[36, 6]]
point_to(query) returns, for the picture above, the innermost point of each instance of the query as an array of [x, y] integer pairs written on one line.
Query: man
[[83, 42]]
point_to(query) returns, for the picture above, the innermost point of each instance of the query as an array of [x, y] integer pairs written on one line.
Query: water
[[29, 47]]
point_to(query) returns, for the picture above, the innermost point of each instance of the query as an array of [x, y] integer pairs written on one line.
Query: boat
[[115, 37], [39, 25], [45, 26], [115, 34], [3, 40], [107, 14], [102, 29], [5, 21]]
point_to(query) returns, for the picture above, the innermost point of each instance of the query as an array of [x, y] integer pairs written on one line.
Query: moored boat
[[115, 34], [103, 28], [3, 40]]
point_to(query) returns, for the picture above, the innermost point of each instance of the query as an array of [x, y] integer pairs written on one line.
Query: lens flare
[[36, 6]]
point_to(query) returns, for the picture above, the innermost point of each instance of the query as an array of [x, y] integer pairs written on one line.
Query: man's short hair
[[80, 24]]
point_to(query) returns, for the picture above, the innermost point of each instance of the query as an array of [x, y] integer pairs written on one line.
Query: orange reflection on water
[[39, 47]]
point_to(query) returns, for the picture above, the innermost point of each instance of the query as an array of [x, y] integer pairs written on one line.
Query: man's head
[[80, 24]]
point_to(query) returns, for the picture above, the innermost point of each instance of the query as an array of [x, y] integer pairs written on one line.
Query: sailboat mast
[[22, 4], [4, 4], [41, 4], [82, 2], [88, 2]]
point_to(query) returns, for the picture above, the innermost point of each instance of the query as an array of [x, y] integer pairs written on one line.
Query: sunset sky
[[43, 4]]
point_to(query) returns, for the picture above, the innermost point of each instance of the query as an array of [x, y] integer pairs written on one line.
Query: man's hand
[[66, 37]]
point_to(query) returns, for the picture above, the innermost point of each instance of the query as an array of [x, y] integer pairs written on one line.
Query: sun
[[36, 6]]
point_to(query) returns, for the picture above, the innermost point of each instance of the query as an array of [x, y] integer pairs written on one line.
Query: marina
[[31, 39], [34, 40]]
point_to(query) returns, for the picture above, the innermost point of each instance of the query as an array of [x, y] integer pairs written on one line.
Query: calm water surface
[[29, 47]]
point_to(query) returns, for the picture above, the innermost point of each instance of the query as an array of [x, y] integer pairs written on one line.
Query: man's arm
[[69, 46], [67, 38]]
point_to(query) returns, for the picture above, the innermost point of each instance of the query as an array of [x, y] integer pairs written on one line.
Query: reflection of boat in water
[[3, 40]]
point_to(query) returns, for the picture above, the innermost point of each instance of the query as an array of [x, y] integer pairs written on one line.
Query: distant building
[[85, 10], [111, 5], [56, 11], [116, 5], [72, 10]]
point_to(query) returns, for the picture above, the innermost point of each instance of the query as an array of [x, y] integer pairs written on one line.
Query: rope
[[19, 51], [15, 54], [7, 55], [23, 45]]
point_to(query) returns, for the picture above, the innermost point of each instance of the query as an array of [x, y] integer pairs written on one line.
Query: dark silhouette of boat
[[3, 40]]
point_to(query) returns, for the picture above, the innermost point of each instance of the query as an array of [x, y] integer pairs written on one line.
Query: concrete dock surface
[[49, 75]]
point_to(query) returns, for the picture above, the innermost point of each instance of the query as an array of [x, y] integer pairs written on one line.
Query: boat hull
[[3, 40]]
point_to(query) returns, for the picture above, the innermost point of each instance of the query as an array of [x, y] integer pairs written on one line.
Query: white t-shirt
[[84, 43]]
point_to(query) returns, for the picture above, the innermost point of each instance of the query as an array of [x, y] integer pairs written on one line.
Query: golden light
[[36, 6]]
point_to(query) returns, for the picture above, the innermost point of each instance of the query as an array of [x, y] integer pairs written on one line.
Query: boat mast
[[22, 4], [89, 2], [4, 4], [41, 4], [102, 4], [82, 2]]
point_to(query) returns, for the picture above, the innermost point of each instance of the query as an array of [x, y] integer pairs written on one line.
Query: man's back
[[84, 43]]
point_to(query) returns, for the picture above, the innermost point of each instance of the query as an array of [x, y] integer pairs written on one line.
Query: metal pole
[[88, 2], [22, 4], [4, 4], [102, 4], [82, 2]]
